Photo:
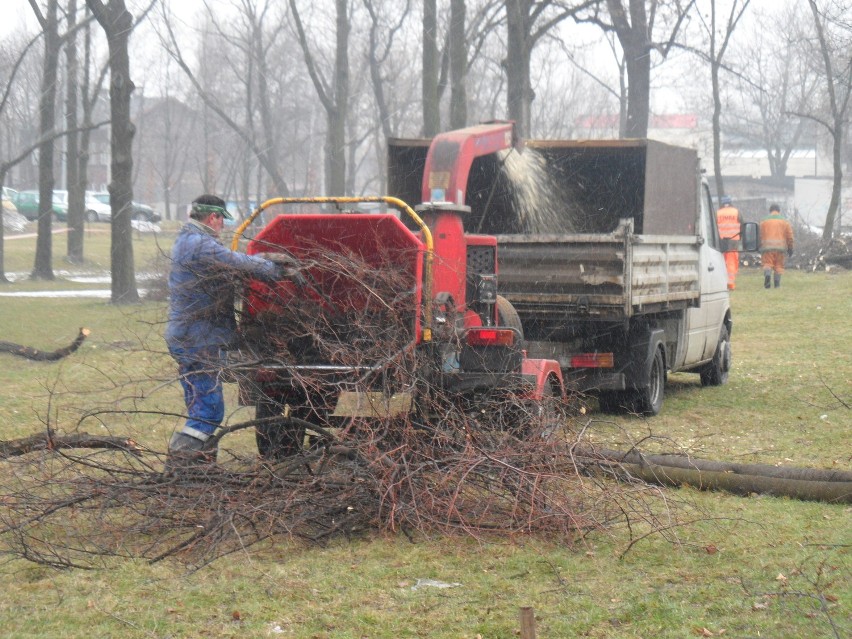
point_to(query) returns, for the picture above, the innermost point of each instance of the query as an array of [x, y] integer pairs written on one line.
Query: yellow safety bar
[[392, 201]]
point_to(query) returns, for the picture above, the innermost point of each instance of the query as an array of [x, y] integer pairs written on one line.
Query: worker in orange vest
[[729, 220], [776, 243]]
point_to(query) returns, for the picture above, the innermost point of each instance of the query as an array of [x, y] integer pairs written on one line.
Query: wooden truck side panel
[[612, 276]]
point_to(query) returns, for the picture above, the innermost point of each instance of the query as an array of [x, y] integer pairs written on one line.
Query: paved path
[[24, 236]]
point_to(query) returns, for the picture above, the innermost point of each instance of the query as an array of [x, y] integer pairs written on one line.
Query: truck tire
[[278, 439], [648, 400], [508, 316], [716, 372]]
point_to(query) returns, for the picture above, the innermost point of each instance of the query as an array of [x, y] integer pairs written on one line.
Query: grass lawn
[[750, 567]]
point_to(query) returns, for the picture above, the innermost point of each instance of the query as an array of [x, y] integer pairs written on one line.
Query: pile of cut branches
[[71, 506]]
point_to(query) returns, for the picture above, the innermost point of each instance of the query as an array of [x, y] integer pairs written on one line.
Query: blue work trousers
[[199, 370]]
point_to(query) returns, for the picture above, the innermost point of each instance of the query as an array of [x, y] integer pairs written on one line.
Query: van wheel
[[716, 372], [91, 216], [649, 400]]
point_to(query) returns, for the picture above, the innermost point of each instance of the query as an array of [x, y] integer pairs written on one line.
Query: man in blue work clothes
[[201, 323]]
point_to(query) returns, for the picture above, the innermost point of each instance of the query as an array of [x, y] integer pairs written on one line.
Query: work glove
[[288, 267], [282, 259], [297, 278], [789, 252], [292, 274]]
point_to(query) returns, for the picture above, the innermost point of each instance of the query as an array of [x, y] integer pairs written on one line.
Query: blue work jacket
[[202, 285]]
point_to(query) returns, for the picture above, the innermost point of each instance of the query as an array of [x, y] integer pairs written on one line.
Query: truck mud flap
[[643, 348]]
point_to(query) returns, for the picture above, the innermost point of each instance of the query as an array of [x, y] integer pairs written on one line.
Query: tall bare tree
[[48, 20], [117, 23], [377, 54], [6, 163], [719, 38], [527, 22], [249, 45], [635, 22], [333, 94], [76, 188], [174, 130], [458, 64], [835, 50], [431, 65], [773, 85]]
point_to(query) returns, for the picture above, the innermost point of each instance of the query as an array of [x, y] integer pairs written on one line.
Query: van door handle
[[711, 268]]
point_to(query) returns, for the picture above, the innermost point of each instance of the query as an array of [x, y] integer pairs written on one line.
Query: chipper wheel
[[280, 438]]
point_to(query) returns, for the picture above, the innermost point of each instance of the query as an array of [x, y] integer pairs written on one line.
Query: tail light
[[592, 360], [491, 337]]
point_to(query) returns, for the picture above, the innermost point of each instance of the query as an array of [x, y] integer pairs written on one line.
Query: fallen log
[[810, 484], [46, 441], [34, 354]]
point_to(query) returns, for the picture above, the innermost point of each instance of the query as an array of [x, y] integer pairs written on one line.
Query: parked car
[[60, 205], [141, 212], [97, 211], [27, 204]]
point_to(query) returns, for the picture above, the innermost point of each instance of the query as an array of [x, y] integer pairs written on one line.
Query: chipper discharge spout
[[445, 177]]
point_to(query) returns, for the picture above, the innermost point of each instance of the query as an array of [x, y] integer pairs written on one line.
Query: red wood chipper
[[400, 317]]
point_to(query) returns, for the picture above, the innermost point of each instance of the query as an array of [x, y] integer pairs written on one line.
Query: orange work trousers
[[773, 260], [732, 263]]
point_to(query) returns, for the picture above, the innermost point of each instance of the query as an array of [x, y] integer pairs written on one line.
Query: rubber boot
[[767, 279], [777, 280]]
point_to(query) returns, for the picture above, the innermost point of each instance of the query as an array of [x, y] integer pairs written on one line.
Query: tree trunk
[[376, 72], [833, 486], [837, 182], [638, 88], [717, 53], [3, 277], [715, 63], [76, 188], [267, 119], [518, 89], [117, 23], [838, 105], [43, 267], [89, 99], [336, 101], [335, 154], [458, 65], [634, 37], [431, 105]]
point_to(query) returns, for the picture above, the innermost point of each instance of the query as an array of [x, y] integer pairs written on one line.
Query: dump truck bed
[[595, 275]]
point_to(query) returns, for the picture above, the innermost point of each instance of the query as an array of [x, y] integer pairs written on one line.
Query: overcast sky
[[148, 73]]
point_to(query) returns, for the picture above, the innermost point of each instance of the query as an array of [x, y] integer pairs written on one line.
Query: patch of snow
[[144, 227]]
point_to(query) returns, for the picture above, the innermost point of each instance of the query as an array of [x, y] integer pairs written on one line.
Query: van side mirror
[[749, 236]]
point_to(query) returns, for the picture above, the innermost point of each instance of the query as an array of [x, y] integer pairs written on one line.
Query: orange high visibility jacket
[[776, 234], [729, 220]]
